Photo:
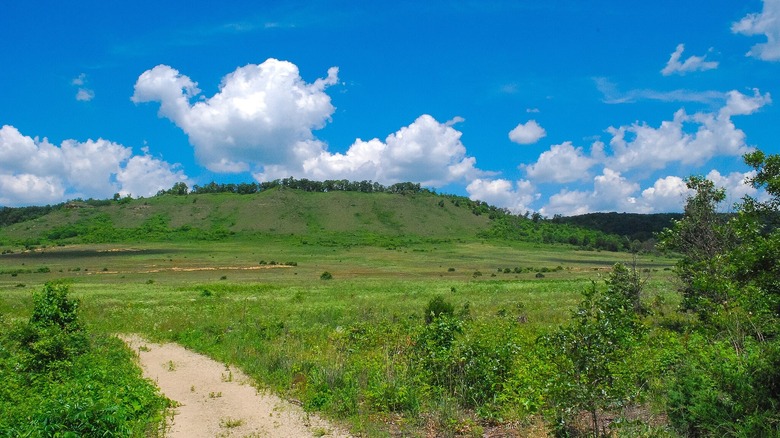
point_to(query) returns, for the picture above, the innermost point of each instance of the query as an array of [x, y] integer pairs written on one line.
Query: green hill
[[332, 218]]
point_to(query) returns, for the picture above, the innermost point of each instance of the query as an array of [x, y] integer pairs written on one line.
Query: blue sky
[[560, 107]]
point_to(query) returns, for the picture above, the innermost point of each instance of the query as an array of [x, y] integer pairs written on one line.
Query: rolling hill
[[334, 218]]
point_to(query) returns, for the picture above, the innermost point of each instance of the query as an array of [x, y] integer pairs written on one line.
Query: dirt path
[[216, 401]]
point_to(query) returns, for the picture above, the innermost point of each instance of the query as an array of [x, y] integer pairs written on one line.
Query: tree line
[[306, 185]]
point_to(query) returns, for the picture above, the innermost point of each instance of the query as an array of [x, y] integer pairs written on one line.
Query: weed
[[230, 423]]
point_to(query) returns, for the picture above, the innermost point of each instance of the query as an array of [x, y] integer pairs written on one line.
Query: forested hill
[[635, 226], [307, 212]]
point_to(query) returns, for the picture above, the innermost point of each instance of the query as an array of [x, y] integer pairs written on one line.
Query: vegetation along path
[[216, 400]]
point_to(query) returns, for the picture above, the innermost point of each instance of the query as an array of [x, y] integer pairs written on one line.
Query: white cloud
[[516, 197], [766, 23], [144, 175], [426, 151], [528, 133], [612, 190], [735, 184], [79, 80], [612, 95], [35, 171], [83, 94], [693, 63], [640, 146], [738, 104], [562, 163], [263, 115], [25, 188], [568, 203], [666, 195]]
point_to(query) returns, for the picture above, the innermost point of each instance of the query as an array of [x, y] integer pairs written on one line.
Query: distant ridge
[[634, 226]]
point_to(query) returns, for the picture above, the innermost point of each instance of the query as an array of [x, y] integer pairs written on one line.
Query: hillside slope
[[329, 218], [270, 212]]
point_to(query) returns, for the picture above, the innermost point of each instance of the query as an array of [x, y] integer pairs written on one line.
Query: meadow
[[347, 344]]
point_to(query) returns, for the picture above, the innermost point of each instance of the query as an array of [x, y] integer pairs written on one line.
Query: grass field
[[343, 346]]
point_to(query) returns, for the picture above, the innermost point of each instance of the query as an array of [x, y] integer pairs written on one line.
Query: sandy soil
[[218, 401]]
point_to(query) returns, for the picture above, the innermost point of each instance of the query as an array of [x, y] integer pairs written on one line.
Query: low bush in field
[[58, 380]]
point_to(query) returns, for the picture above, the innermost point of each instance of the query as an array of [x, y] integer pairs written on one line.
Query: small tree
[[702, 237], [588, 352]]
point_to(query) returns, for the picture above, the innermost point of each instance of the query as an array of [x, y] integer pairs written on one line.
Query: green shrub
[[59, 381], [53, 334], [326, 276], [437, 307]]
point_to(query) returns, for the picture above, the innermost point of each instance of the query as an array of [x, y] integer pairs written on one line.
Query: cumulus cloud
[[516, 197], [262, 115], [527, 133], [766, 23], [614, 192], [568, 203], [645, 147], [561, 164], [667, 194], [693, 63], [35, 171], [611, 192], [262, 121], [425, 151], [735, 183], [638, 152]]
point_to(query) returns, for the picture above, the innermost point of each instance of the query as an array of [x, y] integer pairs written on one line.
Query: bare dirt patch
[[218, 401]]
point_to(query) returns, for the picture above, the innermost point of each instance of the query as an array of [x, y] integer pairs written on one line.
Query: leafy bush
[[53, 336], [59, 381], [437, 307]]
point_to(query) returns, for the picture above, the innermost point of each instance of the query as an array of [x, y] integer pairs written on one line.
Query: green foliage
[[633, 226], [588, 354], [326, 276], [436, 308], [729, 380], [14, 215], [538, 229], [718, 389], [58, 381], [435, 350], [53, 337], [702, 236]]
